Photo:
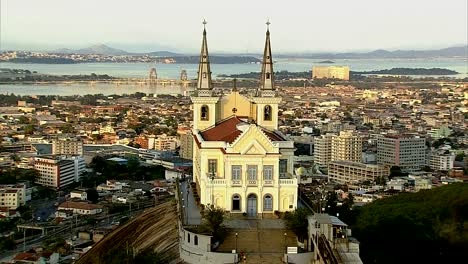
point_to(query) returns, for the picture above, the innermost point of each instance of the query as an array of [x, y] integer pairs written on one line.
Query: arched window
[[204, 75], [267, 203], [267, 75], [267, 113], [188, 237], [195, 240], [236, 202], [204, 114]]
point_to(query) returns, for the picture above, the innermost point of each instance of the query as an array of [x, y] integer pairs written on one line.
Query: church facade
[[241, 162]]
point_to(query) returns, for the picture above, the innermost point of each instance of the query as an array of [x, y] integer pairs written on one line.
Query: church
[[241, 162]]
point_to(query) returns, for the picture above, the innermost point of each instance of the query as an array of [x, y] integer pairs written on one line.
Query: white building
[[330, 236], [330, 147], [67, 146], [81, 208], [348, 171], [14, 195], [78, 194], [441, 160], [406, 151], [240, 161], [58, 171]]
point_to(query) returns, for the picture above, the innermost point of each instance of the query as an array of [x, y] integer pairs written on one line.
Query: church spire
[[204, 85], [267, 85]]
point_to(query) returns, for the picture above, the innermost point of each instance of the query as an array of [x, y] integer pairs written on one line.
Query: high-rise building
[[349, 171], [165, 143], [58, 171], [405, 151], [14, 195], [322, 149], [330, 72], [67, 146], [330, 147], [441, 160], [240, 161], [186, 143], [347, 146]]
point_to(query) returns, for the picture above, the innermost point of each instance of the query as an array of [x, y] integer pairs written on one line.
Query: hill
[[155, 231], [451, 52], [430, 226]]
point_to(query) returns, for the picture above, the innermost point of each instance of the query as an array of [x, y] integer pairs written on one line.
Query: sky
[[234, 26]]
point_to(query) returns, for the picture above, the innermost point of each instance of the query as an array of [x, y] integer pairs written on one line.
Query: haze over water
[[172, 71]]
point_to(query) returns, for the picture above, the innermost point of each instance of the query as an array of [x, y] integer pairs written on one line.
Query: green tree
[[92, 195], [296, 221], [212, 222]]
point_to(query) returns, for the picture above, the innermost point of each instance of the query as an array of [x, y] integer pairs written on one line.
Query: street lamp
[[285, 246], [236, 242], [212, 176]]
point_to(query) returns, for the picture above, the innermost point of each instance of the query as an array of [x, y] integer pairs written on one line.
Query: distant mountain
[[461, 51], [102, 49], [163, 53], [95, 49]]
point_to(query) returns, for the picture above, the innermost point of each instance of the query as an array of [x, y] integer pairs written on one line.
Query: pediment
[[255, 148], [253, 141]]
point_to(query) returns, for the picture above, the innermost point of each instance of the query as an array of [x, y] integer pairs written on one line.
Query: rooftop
[[227, 130]]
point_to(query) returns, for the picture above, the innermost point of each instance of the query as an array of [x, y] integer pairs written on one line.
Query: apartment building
[[330, 147], [330, 72], [349, 171], [322, 149], [67, 146], [406, 151], [165, 143], [441, 160], [186, 143], [58, 171], [347, 146]]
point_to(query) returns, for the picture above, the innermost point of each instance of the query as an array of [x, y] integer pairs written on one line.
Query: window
[[204, 113], [268, 172], [268, 75], [236, 202], [195, 240], [188, 237], [252, 172], [204, 75], [236, 172], [212, 166], [267, 113], [283, 167], [268, 203]]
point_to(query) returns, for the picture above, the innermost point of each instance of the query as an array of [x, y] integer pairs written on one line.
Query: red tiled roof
[[227, 131]]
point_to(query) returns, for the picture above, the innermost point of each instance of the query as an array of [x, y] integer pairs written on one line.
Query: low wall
[[300, 258], [196, 248]]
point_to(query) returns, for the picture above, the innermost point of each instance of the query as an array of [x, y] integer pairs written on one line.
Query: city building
[[165, 143], [346, 146], [240, 161], [441, 160], [330, 147], [186, 143], [14, 195], [405, 151], [322, 149], [331, 240], [330, 72], [67, 146], [348, 171], [58, 171], [81, 208]]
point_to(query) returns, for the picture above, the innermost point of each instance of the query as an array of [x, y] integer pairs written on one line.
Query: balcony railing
[[268, 182], [252, 182], [236, 183], [288, 181]]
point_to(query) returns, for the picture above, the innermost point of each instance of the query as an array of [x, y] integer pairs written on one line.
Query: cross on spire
[[204, 24], [268, 24]]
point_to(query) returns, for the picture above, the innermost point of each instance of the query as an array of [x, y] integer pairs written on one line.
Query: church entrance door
[[252, 205]]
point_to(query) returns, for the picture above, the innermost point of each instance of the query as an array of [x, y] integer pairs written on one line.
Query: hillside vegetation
[[430, 226]]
